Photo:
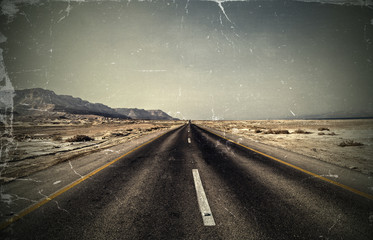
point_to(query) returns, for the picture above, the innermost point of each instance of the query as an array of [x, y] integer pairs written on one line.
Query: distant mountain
[[135, 113], [42, 102], [341, 115]]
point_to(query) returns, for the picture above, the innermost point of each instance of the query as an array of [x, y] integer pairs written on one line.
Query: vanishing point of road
[[192, 184]]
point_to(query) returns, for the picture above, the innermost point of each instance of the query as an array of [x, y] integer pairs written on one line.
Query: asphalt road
[[151, 194]]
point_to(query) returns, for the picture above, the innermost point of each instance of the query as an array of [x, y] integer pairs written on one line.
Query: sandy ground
[[315, 142], [37, 145]]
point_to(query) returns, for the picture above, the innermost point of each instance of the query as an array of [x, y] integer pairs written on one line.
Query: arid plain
[[347, 143], [40, 144]]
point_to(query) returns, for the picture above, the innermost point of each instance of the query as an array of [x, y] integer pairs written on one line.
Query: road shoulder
[[348, 177], [24, 192]]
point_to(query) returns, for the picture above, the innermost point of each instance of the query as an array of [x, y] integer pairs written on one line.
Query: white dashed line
[[208, 219], [57, 182]]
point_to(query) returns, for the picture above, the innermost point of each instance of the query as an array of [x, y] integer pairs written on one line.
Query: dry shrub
[[349, 143], [270, 131], [258, 131], [119, 134], [330, 134], [80, 138], [282, 131], [300, 131], [57, 138], [323, 129]]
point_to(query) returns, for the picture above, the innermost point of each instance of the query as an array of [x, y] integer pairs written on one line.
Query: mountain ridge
[[43, 102], [136, 113]]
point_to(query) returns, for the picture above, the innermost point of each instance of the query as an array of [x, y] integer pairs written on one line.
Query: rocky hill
[[41, 102], [135, 113]]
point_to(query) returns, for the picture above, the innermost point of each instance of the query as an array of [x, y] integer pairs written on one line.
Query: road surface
[[192, 184]]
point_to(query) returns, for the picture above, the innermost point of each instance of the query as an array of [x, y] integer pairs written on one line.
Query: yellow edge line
[[30, 209], [300, 169]]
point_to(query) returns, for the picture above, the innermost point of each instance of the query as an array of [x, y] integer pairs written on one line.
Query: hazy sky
[[196, 59]]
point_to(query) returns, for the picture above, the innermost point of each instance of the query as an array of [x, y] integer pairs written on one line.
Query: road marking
[[189, 141], [208, 219], [363, 194], [57, 182], [35, 206]]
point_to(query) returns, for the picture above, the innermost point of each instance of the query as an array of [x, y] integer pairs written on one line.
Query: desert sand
[[41, 143], [326, 140]]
